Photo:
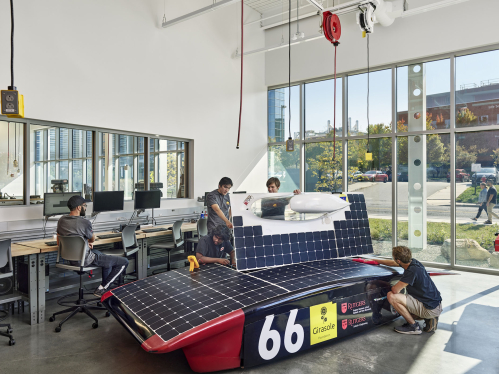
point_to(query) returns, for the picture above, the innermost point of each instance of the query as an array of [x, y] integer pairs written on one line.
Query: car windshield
[[371, 172], [487, 170]]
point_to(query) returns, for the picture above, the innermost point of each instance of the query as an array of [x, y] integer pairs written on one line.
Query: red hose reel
[[332, 27]]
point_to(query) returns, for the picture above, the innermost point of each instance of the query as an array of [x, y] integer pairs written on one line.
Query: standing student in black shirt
[[218, 203], [423, 300], [491, 202]]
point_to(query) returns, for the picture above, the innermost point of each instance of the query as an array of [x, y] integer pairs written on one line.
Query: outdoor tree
[[465, 117], [465, 156], [495, 156], [325, 168]]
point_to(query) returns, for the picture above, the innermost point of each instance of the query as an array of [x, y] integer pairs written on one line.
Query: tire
[[10, 331]]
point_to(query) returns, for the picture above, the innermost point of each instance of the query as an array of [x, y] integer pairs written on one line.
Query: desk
[[32, 297], [41, 249], [187, 227], [37, 249]]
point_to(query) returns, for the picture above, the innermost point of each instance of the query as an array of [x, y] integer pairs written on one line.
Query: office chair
[[177, 243], [74, 248], [6, 259], [130, 248], [202, 229]]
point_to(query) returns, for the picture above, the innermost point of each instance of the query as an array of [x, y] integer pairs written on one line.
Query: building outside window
[[121, 162], [167, 167], [61, 160]]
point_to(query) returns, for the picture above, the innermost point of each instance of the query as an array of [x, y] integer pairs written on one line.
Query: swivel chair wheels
[[108, 314], [12, 342], [52, 319], [58, 329], [9, 330], [95, 325]]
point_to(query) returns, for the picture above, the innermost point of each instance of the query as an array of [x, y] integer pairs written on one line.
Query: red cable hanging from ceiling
[[332, 31], [241, 90]]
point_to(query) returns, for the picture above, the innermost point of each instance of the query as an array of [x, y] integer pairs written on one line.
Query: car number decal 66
[[274, 336]]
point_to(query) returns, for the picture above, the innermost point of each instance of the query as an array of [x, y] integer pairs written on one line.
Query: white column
[[417, 157]]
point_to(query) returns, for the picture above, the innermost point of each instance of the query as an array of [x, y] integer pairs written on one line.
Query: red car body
[[461, 176], [375, 176]]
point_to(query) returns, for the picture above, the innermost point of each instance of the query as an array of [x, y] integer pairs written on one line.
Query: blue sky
[[319, 95]]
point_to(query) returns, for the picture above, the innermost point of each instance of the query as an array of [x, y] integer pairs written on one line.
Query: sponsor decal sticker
[[323, 323], [344, 307]]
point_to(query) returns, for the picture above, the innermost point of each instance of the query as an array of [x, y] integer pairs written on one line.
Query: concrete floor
[[467, 341]]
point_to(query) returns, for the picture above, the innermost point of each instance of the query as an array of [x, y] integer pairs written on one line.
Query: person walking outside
[[491, 202], [482, 201]]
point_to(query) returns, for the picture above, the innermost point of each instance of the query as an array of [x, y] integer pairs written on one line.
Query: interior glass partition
[[61, 160], [167, 167], [11, 164]]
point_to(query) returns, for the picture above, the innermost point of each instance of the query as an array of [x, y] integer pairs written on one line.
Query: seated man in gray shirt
[[75, 224], [218, 203], [214, 247]]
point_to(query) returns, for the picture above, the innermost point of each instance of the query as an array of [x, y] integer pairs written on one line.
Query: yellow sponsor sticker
[[344, 197], [323, 323]]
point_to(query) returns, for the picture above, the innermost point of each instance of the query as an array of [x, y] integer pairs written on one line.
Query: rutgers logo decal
[[344, 324], [344, 307]]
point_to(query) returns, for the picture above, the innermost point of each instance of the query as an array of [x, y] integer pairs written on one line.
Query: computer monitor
[[108, 201], [147, 200], [56, 204]]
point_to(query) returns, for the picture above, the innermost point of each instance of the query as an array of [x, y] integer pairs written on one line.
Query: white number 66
[[268, 334]]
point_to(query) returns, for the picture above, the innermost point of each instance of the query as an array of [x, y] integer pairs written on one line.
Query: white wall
[[110, 64], [458, 27]]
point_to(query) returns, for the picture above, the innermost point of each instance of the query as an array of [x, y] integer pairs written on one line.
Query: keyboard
[[156, 229], [51, 244], [109, 236]]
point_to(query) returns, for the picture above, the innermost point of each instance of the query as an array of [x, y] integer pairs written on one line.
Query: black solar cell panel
[[176, 301], [350, 237]]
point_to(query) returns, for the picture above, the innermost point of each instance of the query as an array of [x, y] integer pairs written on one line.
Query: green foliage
[[465, 117], [468, 196], [437, 232]]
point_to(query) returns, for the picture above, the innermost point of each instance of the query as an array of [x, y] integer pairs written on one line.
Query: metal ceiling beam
[[199, 12], [316, 4]]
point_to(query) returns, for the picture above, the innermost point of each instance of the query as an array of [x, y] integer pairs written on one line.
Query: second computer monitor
[[147, 200], [55, 204], [108, 201]]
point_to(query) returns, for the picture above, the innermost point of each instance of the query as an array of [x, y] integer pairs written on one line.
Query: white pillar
[[417, 156]]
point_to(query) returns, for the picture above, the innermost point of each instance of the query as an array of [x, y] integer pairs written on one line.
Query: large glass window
[[424, 195], [373, 178], [279, 112], [61, 160], [319, 109], [167, 167], [425, 83], [11, 164], [285, 166], [323, 167], [477, 162], [380, 103], [119, 162], [477, 89]]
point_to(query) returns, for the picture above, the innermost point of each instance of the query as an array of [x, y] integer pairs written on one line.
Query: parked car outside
[[486, 174], [461, 176], [375, 176]]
